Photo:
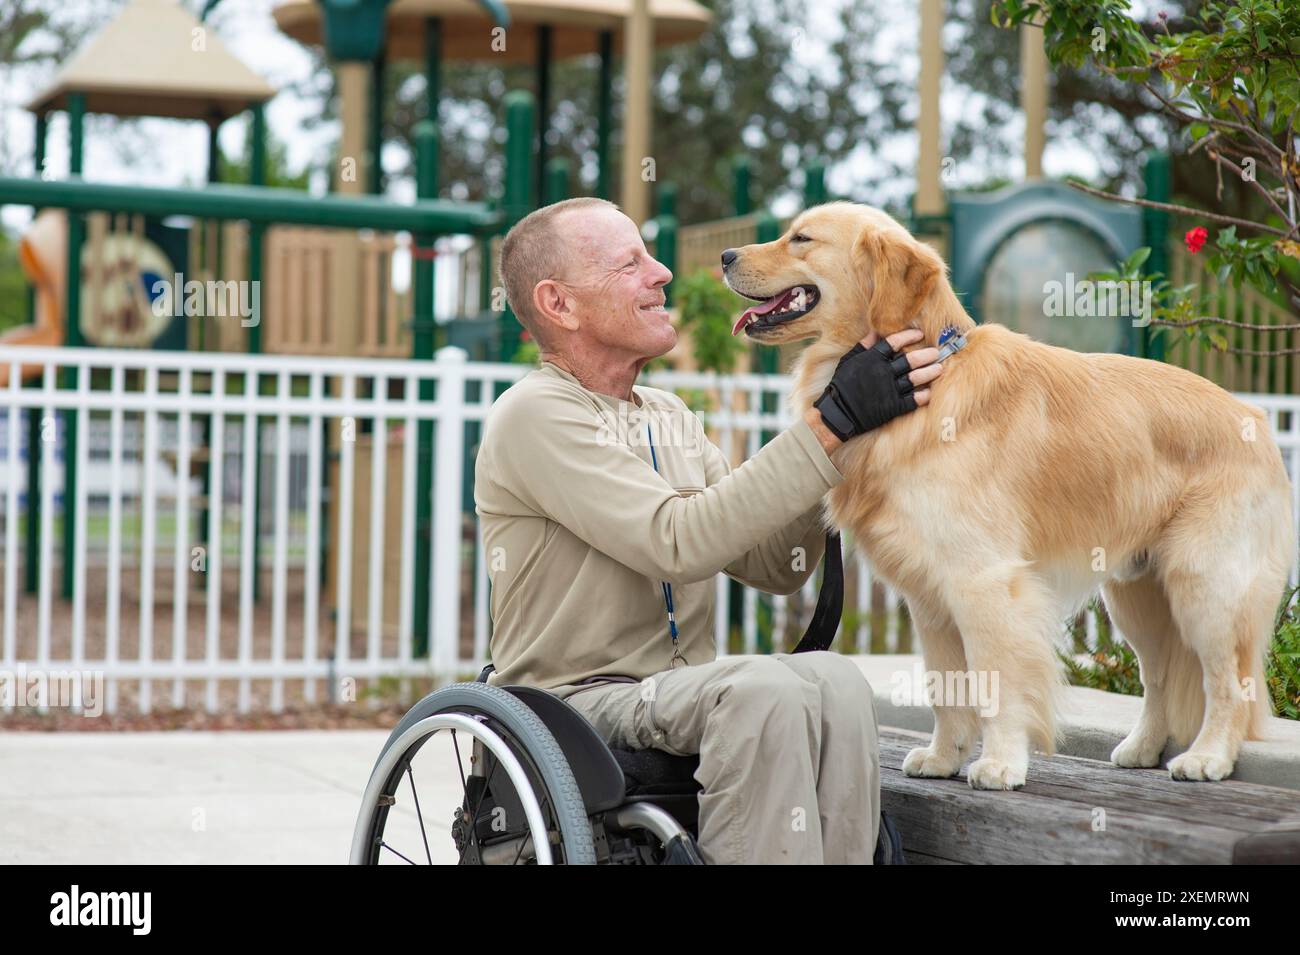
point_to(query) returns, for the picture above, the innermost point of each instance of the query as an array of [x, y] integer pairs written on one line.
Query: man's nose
[[728, 256]]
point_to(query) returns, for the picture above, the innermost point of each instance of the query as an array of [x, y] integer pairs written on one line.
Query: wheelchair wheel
[[515, 802]]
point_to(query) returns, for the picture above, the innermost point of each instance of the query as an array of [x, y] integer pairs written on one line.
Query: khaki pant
[[789, 760]]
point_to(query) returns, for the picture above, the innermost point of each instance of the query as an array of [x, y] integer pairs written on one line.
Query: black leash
[[830, 601]]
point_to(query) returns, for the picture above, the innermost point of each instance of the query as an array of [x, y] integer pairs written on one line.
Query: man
[[606, 514]]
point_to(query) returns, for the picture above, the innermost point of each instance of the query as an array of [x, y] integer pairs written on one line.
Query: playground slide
[[42, 252]]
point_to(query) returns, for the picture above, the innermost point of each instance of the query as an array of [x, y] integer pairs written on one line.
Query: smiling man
[[606, 514]]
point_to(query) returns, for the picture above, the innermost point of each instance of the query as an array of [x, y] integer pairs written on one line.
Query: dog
[[1035, 476]]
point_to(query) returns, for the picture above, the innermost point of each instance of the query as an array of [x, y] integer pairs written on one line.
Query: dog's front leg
[[1006, 616], [955, 726]]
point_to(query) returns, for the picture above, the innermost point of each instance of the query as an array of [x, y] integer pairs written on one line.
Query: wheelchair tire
[[504, 719]]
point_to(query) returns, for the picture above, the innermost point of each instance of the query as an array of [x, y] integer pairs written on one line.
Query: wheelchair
[[542, 787]]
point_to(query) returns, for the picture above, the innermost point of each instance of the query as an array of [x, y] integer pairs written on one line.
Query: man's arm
[[553, 455], [783, 562]]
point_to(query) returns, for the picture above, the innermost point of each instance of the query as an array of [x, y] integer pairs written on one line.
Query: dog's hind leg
[[956, 727], [1224, 575], [1008, 618], [1139, 608]]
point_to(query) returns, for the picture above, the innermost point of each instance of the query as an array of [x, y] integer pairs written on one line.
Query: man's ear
[[897, 275], [553, 304]]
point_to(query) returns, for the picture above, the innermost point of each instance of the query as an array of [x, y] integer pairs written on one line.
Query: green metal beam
[[557, 181], [32, 539], [604, 112], [423, 330], [666, 240], [256, 239], [72, 337], [256, 204], [1155, 225], [375, 167], [741, 173], [433, 66], [544, 47], [517, 195]]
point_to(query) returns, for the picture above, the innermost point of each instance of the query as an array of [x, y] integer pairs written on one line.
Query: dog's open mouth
[[782, 307]]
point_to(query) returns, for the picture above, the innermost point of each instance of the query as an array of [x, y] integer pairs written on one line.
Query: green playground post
[[666, 240], [423, 329], [256, 236], [769, 359], [432, 67], [814, 183], [32, 538], [604, 112], [486, 279], [73, 339], [544, 51], [518, 192], [768, 229], [741, 174], [375, 133], [557, 180], [1155, 227]]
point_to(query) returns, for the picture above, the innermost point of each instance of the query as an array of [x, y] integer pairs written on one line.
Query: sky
[[248, 30]]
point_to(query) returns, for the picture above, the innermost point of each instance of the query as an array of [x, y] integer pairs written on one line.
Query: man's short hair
[[533, 251]]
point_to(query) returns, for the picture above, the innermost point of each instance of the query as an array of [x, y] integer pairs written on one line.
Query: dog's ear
[[897, 275]]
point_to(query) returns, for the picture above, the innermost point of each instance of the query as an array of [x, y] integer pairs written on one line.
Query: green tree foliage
[[1230, 79], [708, 309]]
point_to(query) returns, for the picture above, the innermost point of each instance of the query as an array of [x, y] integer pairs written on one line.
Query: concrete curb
[[1093, 722]]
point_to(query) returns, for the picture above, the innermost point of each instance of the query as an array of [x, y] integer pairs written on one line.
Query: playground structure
[[278, 421]]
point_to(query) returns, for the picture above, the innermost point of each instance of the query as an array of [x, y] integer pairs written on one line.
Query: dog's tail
[[1184, 692], [1184, 687]]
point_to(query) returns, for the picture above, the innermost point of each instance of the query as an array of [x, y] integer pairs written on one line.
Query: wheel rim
[[368, 843]]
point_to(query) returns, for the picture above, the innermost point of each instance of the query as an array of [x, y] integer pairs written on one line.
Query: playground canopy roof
[[467, 29], [144, 63]]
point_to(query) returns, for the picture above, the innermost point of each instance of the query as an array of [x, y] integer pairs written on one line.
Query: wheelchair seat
[[609, 776]]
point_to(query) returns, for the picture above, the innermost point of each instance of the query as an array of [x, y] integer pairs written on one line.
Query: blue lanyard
[[668, 588]]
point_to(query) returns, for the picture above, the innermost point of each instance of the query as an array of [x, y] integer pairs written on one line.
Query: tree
[[1229, 78]]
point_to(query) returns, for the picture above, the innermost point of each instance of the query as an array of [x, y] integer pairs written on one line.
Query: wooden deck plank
[[1141, 816]]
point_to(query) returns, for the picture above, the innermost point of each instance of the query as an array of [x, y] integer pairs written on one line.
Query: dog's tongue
[[756, 310]]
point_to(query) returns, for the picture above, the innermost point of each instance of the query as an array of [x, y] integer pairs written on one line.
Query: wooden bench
[[1082, 811]]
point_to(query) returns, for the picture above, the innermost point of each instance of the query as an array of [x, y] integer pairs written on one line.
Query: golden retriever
[[1035, 476]]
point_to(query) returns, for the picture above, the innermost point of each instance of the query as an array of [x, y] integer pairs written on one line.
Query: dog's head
[[840, 271]]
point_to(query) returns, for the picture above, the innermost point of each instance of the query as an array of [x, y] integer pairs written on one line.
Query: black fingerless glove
[[870, 387]]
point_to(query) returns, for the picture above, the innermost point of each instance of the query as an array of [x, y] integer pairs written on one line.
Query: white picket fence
[[214, 639]]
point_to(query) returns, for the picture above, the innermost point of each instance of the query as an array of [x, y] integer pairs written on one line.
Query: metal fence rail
[[312, 464]]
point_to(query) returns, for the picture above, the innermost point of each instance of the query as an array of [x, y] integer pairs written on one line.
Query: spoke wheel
[[513, 796]]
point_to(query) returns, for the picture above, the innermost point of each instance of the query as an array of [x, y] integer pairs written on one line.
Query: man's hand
[[873, 384]]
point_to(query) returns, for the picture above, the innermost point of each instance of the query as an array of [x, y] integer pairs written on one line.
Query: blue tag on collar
[[950, 342]]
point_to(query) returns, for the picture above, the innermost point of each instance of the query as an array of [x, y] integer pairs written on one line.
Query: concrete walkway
[[232, 797]]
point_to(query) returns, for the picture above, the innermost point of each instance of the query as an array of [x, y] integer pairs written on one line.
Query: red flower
[[1195, 239], [524, 336]]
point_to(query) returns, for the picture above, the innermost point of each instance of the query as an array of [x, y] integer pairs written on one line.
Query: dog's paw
[[1200, 767], [924, 761], [994, 774], [1137, 753]]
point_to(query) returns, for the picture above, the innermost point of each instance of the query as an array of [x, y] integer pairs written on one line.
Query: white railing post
[[448, 474]]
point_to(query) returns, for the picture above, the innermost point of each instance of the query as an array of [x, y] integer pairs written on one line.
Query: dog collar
[[950, 342]]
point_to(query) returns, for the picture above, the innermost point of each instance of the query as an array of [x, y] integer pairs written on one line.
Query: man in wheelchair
[[606, 514]]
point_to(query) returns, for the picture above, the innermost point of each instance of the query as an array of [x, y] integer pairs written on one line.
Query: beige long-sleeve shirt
[[579, 530]]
